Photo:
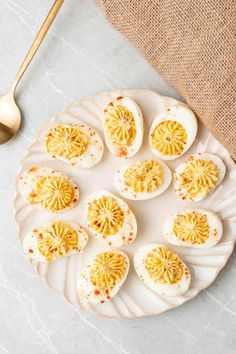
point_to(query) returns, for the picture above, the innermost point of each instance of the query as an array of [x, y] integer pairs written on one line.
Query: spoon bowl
[[10, 117]]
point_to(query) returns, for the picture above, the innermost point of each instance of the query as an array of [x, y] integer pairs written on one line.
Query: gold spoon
[[10, 116]]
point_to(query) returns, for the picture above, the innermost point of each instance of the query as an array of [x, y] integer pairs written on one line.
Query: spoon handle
[[38, 40]]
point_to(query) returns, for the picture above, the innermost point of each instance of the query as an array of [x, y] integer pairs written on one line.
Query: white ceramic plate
[[134, 299]]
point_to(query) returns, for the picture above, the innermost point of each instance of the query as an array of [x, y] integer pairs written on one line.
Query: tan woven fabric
[[192, 44]]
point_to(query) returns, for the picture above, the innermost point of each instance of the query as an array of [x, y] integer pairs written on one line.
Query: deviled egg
[[196, 228], [172, 132], [110, 219], [143, 180], [162, 270], [49, 189], [52, 241], [123, 127], [101, 280], [78, 145], [196, 177]]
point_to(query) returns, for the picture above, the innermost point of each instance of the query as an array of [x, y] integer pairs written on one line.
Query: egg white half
[[30, 176], [128, 193], [94, 152], [175, 289], [30, 244], [205, 156], [127, 232], [128, 150], [86, 289], [181, 114], [214, 222]]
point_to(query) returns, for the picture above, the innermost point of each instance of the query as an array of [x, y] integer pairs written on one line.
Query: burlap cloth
[[192, 44]]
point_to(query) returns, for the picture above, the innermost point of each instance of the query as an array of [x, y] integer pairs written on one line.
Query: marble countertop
[[83, 55]]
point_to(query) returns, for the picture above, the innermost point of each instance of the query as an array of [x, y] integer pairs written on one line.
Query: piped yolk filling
[[66, 141], [192, 227], [53, 193], [164, 266], [199, 177], [120, 125], [56, 240], [169, 138], [144, 177], [107, 270], [105, 216]]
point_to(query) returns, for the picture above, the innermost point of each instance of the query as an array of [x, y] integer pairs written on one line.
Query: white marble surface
[[83, 55]]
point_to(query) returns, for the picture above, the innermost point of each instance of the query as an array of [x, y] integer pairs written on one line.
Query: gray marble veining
[[83, 55]]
